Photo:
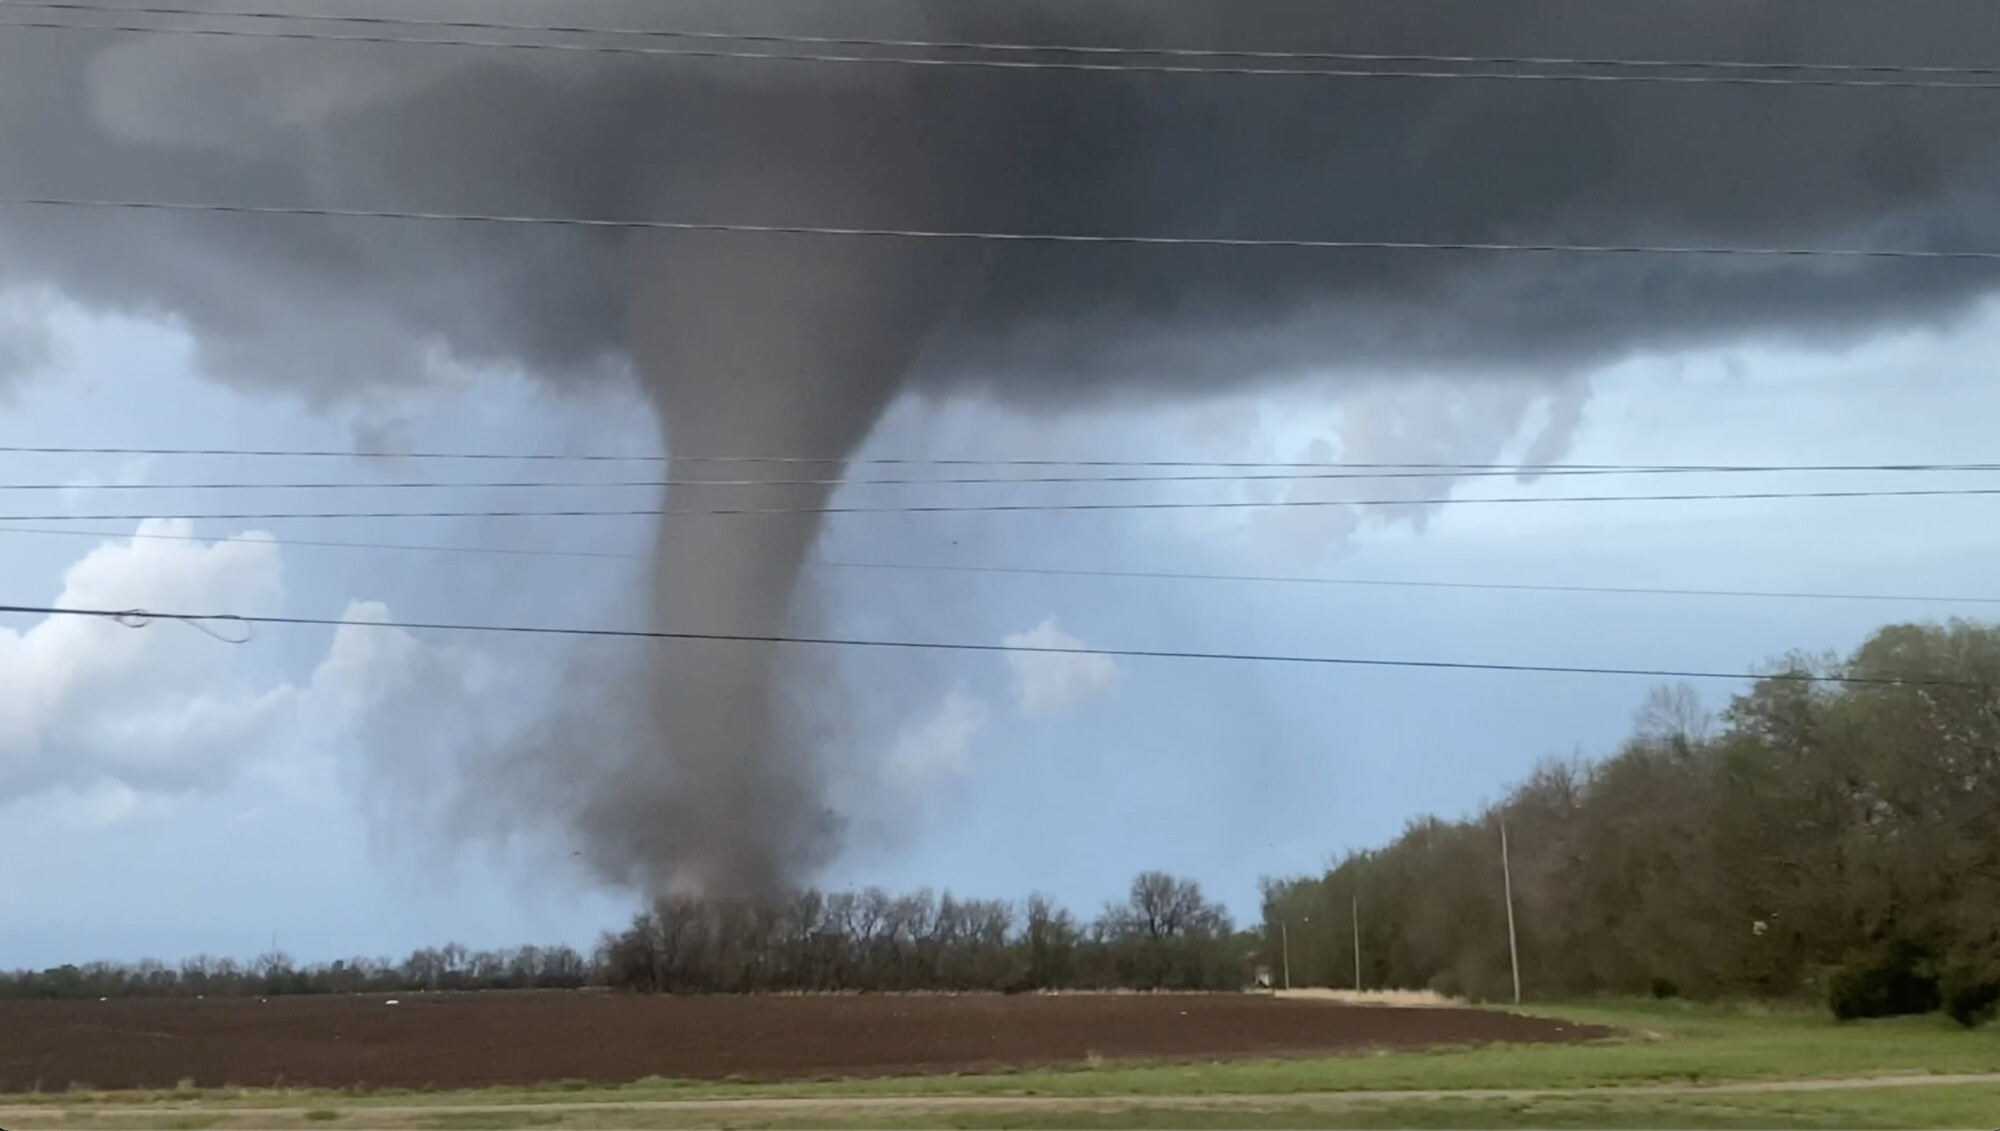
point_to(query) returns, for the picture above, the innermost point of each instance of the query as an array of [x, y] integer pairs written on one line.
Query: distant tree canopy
[[1815, 827], [1167, 935], [452, 967]]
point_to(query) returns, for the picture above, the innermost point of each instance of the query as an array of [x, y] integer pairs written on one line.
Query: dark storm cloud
[[464, 130], [793, 345]]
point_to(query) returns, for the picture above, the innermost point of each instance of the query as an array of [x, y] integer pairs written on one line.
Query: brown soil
[[487, 1039]]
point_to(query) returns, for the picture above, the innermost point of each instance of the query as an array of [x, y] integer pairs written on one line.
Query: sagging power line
[[124, 616], [1028, 65], [988, 46], [1005, 508], [717, 227], [1303, 475], [1042, 571], [925, 461]]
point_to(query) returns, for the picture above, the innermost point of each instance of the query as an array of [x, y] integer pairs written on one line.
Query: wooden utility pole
[[1513, 945], [1285, 934], [1355, 907]]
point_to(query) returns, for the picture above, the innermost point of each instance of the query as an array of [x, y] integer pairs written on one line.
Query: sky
[[165, 793]]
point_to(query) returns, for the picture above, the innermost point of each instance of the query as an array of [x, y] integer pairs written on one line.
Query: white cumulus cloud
[[1046, 682], [107, 715], [159, 706]]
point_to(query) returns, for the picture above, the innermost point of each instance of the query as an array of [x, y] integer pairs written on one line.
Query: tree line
[[1166, 935], [1839, 840], [448, 968]]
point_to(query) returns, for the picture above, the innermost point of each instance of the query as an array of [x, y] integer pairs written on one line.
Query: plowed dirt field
[[488, 1039]]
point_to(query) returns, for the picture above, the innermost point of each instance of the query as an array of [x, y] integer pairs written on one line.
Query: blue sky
[[164, 794]]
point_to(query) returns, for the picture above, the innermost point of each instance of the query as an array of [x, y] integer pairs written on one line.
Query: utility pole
[[1355, 907], [1507, 878], [1285, 935]]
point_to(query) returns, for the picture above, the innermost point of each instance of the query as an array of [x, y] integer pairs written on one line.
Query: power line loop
[[207, 625]]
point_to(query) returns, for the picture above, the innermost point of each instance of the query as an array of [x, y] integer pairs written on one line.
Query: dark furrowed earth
[[492, 1039]]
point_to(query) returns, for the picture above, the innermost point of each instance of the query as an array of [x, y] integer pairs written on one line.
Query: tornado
[[749, 349]]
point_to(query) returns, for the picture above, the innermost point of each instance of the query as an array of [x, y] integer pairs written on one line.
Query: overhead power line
[[1233, 504], [1302, 475], [1607, 71], [525, 219], [993, 47], [1039, 571], [129, 616], [337, 544], [866, 461], [1396, 583]]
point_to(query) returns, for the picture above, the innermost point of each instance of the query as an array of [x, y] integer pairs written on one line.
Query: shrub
[[1897, 980], [1664, 988], [1972, 1000]]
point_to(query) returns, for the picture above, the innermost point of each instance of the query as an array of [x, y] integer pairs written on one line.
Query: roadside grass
[[1969, 1107], [1853, 1111], [1964, 1107], [1664, 1042]]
